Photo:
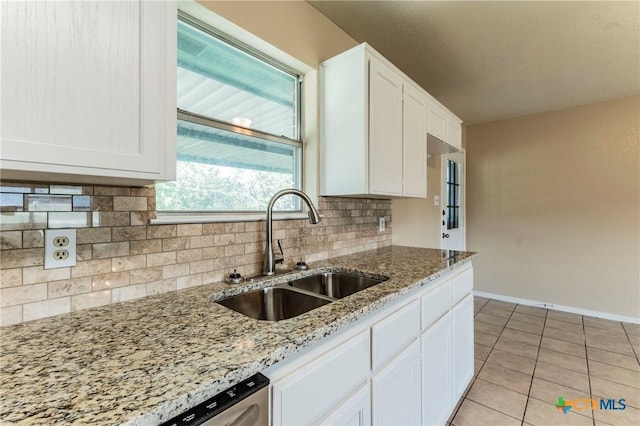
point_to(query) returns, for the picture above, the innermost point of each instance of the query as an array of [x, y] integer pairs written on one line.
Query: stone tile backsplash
[[121, 257]]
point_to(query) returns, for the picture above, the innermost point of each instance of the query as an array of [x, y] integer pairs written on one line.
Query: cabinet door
[[356, 411], [437, 121], [437, 389], [385, 130], [396, 390], [454, 132], [414, 143], [462, 345], [87, 87], [325, 382]]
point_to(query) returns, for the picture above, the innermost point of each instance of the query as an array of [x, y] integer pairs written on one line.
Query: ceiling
[[488, 61]]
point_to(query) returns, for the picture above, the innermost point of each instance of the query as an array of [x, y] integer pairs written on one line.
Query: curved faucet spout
[[269, 264]]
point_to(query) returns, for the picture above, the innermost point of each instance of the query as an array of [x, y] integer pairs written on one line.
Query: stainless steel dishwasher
[[245, 404]]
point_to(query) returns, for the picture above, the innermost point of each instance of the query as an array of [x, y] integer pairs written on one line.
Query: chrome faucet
[[269, 265]]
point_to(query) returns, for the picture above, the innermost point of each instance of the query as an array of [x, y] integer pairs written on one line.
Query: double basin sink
[[298, 296]]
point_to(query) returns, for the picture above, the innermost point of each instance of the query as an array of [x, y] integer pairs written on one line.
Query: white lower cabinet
[[437, 401], [407, 364], [395, 390], [356, 411], [306, 395], [463, 364], [395, 332]]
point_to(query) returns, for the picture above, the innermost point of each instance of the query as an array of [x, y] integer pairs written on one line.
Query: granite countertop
[[144, 361]]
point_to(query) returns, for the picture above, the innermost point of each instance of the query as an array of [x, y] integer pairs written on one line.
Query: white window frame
[[308, 120]]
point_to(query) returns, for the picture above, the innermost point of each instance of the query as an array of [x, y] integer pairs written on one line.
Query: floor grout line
[[586, 353], [526, 404], [616, 366], [632, 347], [486, 406]]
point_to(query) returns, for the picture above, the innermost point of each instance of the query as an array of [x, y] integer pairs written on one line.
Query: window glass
[[220, 81], [238, 127], [219, 170]]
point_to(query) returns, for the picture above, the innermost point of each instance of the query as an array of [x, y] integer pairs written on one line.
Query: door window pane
[[453, 195]]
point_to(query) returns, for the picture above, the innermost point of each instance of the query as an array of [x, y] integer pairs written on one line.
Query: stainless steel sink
[[334, 284], [297, 296], [273, 303]]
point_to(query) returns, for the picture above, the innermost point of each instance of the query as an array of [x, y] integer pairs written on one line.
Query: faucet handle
[[279, 258]]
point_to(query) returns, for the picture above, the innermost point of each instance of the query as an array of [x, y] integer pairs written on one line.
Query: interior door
[[453, 202]]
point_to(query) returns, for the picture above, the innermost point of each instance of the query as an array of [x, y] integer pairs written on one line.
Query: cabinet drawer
[[394, 333], [436, 303], [310, 391], [462, 285]]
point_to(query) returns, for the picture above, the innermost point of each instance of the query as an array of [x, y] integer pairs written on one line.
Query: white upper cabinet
[[415, 143], [445, 127], [437, 120], [454, 132], [385, 130], [375, 121], [373, 128], [88, 91]]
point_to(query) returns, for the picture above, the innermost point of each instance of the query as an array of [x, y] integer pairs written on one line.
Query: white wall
[[553, 206]]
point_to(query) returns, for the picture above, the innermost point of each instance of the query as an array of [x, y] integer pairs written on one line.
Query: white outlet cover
[[49, 248]]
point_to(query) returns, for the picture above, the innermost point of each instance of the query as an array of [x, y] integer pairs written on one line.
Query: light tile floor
[[527, 357]]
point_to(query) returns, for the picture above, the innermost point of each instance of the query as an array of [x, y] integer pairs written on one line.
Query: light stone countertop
[[145, 361]]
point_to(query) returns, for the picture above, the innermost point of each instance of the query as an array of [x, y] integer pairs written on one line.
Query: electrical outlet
[[382, 224], [61, 254], [60, 241], [59, 248]]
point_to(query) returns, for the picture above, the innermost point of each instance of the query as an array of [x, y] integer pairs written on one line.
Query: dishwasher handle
[[248, 416]]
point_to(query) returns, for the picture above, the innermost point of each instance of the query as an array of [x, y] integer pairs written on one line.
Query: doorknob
[[445, 235]]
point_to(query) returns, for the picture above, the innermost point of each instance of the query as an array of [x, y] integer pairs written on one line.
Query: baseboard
[[563, 308]]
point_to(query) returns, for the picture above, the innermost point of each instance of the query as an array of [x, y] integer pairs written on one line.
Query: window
[[239, 136]]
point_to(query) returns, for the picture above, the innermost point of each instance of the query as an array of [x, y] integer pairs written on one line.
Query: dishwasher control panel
[[228, 400]]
